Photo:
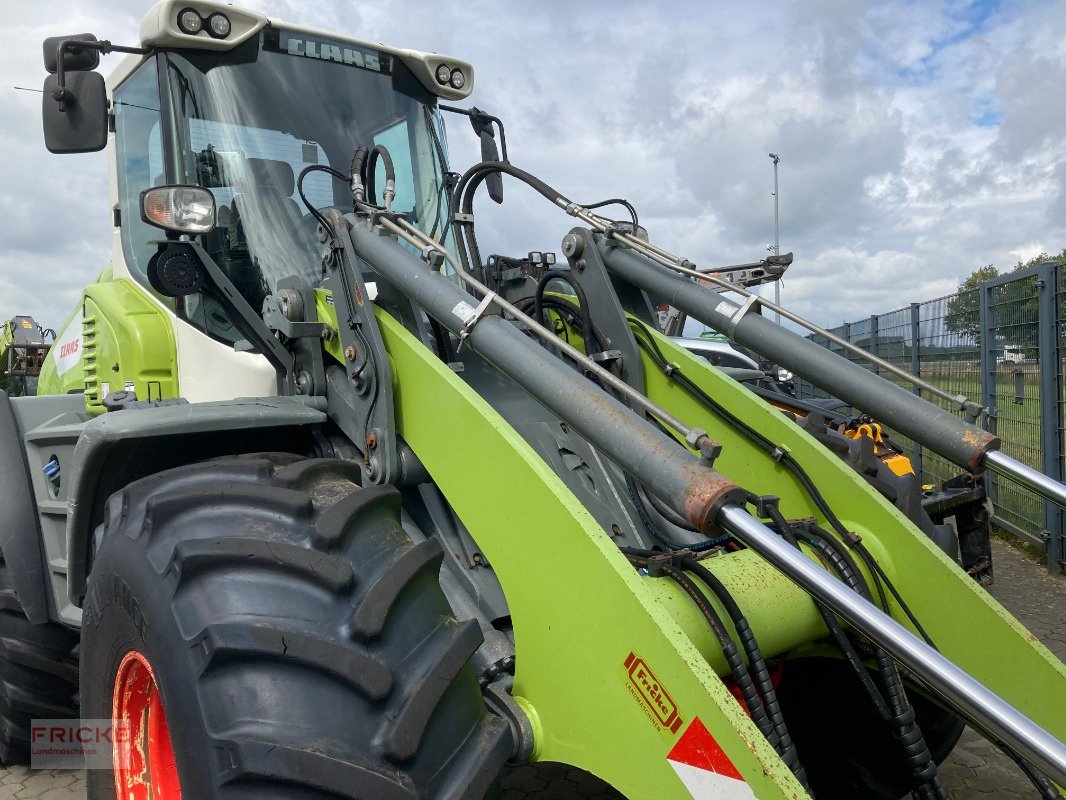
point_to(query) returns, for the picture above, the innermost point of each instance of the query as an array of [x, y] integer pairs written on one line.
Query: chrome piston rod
[[980, 706], [1046, 487]]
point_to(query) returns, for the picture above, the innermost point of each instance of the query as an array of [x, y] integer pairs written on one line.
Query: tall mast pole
[[777, 237]]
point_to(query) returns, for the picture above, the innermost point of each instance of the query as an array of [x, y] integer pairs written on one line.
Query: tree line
[[1014, 305]]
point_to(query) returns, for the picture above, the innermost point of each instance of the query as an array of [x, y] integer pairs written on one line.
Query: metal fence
[[1002, 344]]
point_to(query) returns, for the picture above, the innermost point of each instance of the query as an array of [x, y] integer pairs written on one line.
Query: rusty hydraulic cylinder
[[658, 461], [941, 431]]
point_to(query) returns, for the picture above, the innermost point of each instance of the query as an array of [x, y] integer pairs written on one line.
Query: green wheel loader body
[[578, 618], [557, 484], [117, 339]]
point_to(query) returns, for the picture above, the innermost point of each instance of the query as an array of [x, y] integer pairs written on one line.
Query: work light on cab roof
[[217, 26]]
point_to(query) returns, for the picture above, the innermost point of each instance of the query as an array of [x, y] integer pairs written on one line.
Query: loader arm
[[580, 611], [950, 605]]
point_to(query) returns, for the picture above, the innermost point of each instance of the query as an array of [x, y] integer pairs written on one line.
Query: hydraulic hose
[[667, 513], [737, 667], [902, 719], [636, 496], [980, 706], [786, 747], [841, 639], [582, 307], [571, 313]]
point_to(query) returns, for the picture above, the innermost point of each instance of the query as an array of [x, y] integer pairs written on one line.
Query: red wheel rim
[[145, 767]]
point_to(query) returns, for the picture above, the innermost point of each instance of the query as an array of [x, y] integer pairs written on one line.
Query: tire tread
[[303, 536]]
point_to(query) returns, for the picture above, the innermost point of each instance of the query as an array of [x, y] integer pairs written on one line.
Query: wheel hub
[[145, 766]]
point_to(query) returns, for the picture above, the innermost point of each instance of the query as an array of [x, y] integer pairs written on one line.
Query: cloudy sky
[[918, 140]]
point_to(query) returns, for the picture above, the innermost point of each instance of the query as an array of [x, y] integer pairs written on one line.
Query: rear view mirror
[[78, 124], [482, 124], [75, 59], [489, 152]]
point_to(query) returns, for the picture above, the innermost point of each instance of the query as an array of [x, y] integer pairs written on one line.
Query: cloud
[[919, 140]]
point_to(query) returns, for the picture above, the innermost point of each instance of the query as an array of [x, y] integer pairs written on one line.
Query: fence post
[[916, 369], [874, 350], [988, 359], [987, 386], [1050, 392]]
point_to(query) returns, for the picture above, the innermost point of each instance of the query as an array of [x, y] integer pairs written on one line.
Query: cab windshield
[[247, 124]]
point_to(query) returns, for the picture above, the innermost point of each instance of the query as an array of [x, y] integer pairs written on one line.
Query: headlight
[[444, 74], [179, 209], [190, 21], [458, 79], [218, 26]]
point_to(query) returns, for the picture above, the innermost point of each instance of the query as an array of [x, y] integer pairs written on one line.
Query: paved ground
[[975, 771]]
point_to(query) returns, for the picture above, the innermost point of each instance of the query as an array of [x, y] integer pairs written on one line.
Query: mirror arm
[[481, 122], [61, 94]]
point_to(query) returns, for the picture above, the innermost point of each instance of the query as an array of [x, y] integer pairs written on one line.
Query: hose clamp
[[432, 255], [738, 315], [471, 317], [610, 235]]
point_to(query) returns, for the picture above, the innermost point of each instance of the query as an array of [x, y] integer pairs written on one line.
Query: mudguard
[[20, 534], [97, 456]]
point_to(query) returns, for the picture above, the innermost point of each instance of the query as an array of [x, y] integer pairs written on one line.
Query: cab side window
[[139, 152]]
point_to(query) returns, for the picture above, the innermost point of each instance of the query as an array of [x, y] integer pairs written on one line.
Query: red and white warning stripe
[[704, 768]]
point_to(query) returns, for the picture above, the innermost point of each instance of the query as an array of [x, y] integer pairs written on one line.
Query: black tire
[[843, 744], [38, 673], [301, 643]]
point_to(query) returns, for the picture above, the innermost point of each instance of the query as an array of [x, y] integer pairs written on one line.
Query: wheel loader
[[24, 345], [320, 505]]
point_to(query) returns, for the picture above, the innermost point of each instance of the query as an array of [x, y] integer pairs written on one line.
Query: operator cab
[[256, 111], [246, 124]]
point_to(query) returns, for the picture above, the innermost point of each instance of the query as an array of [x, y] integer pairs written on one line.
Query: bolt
[[616, 531], [580, 264], [572, 245], [349, 352], [372, 440], [477, 558]]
